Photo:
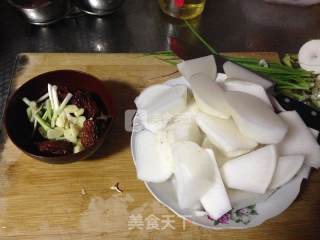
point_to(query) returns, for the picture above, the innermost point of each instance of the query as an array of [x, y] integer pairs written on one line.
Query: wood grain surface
[[74, 201]]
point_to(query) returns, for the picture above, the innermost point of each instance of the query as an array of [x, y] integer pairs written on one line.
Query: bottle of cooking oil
[[183, 9]]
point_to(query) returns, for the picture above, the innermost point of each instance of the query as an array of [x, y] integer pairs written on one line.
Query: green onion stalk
[[290, 79]]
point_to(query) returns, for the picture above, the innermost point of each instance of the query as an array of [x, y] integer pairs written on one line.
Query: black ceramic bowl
[[19, 128]]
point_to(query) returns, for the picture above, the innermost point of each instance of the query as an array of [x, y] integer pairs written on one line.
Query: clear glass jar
[[182, 9]]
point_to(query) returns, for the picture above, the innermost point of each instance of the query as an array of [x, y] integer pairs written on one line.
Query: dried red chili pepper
[[58, 148], [89, 134], [85, 100]]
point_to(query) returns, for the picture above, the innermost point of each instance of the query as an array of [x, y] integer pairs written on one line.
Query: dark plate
[[19, 128]]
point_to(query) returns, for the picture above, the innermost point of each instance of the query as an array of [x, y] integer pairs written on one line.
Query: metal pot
[[42, 12], [98, 7]]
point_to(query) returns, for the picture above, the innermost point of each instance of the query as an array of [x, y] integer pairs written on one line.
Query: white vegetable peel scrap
[[117, 188]]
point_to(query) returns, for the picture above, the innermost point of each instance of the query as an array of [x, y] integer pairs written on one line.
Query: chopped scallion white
[[43, 97], [55, 97], [50, 94], [64, 102]]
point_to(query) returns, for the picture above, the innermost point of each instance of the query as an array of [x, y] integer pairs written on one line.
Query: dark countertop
[[139, 26]]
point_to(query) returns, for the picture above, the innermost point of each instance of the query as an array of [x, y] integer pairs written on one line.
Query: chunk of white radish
[[184, 129], [164, 149], [233, 70], [205, 65], [287, 168], [255, 119], [156, 116], [216, 201], [149, 95], [151, 167], [219, 156], [252, 172], [224, 134], [247, 87], [299, 140], [240, 199], [194, 172], [209, 96], [309, 56]]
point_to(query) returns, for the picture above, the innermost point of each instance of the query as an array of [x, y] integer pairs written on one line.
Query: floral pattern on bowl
[[238, 216]]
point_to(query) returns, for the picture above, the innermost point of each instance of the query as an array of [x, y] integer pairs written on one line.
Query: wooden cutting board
[[74, 201]]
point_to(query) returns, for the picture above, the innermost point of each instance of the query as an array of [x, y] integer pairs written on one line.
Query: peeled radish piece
[[299, 140], [164, 149], [151, 167], [287, 168], [219, 156], [194, 173], [209, 96], [216, 201], [255, 119], [251, 172], [184, 130], [205, 65], [183, 127], [248, 87], [233, 70], [156, 116], [225, 135], [240, 199], [149, 95], [309, 56]]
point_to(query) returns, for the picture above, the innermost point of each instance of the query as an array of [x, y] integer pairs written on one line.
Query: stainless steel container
[[98, 7], [42, 12]]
